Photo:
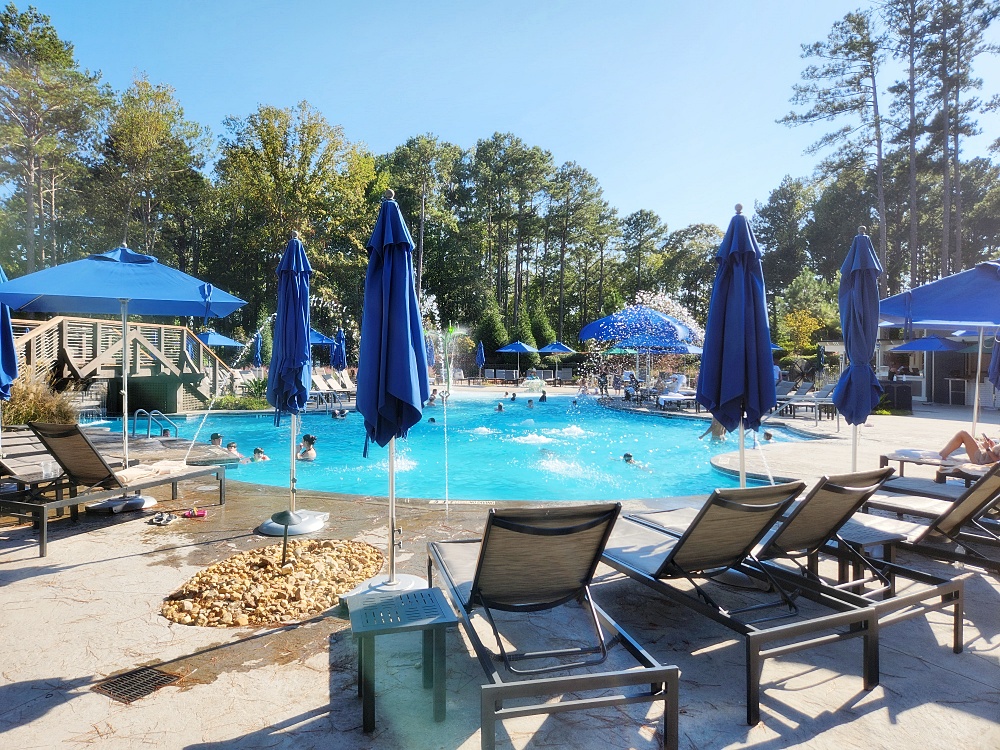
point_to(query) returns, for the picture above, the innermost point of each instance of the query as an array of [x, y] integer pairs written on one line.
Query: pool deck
[[90, 610]]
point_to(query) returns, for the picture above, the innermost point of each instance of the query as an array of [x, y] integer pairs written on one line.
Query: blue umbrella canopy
[[663, 341], [736, 382], [319, 339], [338, 357], [211, 338], [556, 347], [258, 342], [518, 347], [290, 375], [480, 356], [392, 367], [930, 344], [8, 353], [98, 283], [634, 320], [858, 391]]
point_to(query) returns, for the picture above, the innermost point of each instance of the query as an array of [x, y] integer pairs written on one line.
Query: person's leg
[[962, 438]]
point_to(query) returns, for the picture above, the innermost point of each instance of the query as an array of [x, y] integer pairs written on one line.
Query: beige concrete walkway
[[91, 610]]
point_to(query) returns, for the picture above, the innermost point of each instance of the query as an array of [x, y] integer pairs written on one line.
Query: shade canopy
[[289, 377], [392, 368], [556, 347], [211, 338], [518, 347], [658, 344], [338, 357], [967, 299], [8, 352], [480, 355], [858, 390], [98, 283], [319, 339], [632, 321], [736, 382], [931, 344]]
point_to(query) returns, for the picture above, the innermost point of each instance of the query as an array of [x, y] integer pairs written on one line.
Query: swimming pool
[[555, 451]]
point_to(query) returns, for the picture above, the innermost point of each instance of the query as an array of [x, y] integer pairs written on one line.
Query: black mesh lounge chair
[[954, 530], [91, 479], [536, 559], [721, 536], [811, 529]]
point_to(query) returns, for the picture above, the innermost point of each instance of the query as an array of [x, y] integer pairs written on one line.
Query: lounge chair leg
[[871, 665], [43, 528], [753, 683], [959, 624], [428, 658], [487, 720]]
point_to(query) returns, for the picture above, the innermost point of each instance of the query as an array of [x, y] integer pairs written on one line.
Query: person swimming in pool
[[307, 448], [499, 406]]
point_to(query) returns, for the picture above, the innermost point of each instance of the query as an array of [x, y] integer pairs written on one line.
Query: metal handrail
[[152, 416]]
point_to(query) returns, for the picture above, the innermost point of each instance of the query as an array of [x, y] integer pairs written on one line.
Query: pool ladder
[[152, 416]]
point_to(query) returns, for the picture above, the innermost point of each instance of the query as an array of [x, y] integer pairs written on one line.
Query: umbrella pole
[[291, 471], [979, 375], [743, 458], [854, 447], [125, 367], [392, 511]]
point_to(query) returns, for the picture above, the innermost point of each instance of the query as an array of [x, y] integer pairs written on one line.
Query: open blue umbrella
[[258, 342], [8, 352], [519, 348], [556, 348], [930, 344], [289, 378], [858, 391], [736, 382], [319, 339], [480, 357], [392, 367], [338, 358], [632, 321], [118, 282], [211, 338]]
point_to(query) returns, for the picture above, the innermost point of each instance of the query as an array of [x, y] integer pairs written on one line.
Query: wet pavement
[[91, 610]]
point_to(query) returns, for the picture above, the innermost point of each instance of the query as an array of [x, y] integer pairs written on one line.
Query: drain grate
[[136, 684]]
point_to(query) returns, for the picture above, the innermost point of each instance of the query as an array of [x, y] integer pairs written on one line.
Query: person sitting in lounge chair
[[984, 451]]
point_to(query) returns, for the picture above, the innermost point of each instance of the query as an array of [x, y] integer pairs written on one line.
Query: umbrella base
[[380, 584], [312, 520]]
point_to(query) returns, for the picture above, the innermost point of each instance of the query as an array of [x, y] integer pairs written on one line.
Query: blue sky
[[671, 104]]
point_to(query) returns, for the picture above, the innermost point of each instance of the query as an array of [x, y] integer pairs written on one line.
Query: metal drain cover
[[136, 684]]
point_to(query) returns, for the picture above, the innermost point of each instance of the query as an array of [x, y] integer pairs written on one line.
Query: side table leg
[[439, 674], [428, 660], [368, 682]]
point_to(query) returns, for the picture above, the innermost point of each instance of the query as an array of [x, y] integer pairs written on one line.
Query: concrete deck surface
[[90, 610]]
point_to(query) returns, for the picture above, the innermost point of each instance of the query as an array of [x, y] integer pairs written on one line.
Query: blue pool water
[[556, 451]]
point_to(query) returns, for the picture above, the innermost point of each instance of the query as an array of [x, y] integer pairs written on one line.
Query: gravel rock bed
[[253, 588]]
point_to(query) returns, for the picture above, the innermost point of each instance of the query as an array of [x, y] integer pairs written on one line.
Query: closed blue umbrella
[[480, 358], [338, 359], [8, 353], [736, 382], [858, 391], [118, 282], [289, 377], [258, 342], [519, 348], [392, 367]]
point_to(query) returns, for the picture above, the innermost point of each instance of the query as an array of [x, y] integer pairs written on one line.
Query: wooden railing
[[83, 348]]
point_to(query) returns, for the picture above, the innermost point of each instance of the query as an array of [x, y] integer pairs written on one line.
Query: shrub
[[32, 399], [240, 403], [256, 388]]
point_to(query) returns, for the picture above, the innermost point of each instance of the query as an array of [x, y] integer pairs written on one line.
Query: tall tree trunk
[[29, 194], [912, 138], [420, 240], [955, 155], [880, 184], [600, 283], [562, 279], [53, 217], [945, 157]]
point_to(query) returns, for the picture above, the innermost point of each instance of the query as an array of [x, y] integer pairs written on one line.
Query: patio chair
[[812, 528], [91, 479], [954, 530], [502, 573], [788, 403], [721, 536]]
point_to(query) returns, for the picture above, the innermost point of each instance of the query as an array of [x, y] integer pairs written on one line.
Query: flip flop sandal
[[157, 519], [195, 513]]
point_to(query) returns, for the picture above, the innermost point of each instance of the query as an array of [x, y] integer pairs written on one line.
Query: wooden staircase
[[170, 369]]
